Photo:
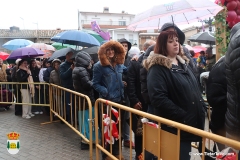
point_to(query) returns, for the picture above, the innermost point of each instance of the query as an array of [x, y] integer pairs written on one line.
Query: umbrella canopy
[[181, 12], [3, 55], [92, 51], [43, 47], [16, 43], [60, 54], [75, 37], [26, 52], [59, 46], [197, 49], [203, 37], [94, 34]]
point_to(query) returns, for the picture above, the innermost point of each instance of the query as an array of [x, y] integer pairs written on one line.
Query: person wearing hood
[[143, 71], [232, 64], [82, 83], [173, 89], [126, 132], [107, 80]]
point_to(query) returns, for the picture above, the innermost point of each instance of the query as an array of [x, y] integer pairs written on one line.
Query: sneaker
[[36, 112], [27, 117], [41, 112], [32, 115]]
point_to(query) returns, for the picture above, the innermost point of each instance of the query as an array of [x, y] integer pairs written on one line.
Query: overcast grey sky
[[52, 14]]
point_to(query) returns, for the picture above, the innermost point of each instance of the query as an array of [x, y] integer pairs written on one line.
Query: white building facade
[[114, 23]]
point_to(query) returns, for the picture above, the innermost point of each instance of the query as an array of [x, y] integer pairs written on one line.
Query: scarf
[[30, 81]]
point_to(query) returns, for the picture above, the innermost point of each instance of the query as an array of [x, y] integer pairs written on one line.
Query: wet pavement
[[53, 141]]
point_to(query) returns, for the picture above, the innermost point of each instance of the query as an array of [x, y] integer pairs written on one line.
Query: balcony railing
[[101, 22]]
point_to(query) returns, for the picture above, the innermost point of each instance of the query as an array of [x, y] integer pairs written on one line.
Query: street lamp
[[23, 22], [209, 22]]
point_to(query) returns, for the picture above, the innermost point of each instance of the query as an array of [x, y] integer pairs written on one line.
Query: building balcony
[[122, 23]]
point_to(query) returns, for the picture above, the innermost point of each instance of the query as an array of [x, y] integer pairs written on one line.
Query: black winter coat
[[143, 71], [35, 74], [22, 76], [217, 94], [81, 77], [134, 85], [232, 120], [174, 93]]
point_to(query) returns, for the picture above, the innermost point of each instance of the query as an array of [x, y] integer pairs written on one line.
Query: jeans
[[126, 130]]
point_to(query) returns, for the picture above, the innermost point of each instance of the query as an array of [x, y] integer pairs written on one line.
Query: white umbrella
[[179, 12]]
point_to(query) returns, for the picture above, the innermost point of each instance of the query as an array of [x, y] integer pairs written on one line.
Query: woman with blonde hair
[[173, 89]]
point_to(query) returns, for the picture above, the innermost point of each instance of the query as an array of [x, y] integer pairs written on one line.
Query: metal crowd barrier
[[54, 97], [10, 93], [162, 144], [78, 102]]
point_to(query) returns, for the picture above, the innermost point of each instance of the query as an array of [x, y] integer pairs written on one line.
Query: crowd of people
[[164, 80]]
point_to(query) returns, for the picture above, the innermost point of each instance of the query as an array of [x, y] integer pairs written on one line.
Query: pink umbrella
[[43, 47], [179, 12], [3, 55]]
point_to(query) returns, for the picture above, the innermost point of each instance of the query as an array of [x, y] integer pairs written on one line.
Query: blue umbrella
[[16, 43], [75, 37], [26, 52]]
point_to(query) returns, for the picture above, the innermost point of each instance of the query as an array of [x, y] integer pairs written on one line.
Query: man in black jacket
[[217, 98], [135, 96], [16, 87], [126, 132]]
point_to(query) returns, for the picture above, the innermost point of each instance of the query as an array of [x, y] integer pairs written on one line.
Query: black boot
[[84, 146]]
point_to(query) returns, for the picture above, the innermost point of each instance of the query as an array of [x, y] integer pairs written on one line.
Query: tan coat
[[3, 74]]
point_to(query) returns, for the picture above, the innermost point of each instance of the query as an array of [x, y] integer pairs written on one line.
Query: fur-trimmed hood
[[159, 59], [119, 52]]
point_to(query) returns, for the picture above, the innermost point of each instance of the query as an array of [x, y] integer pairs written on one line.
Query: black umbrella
[[60, 54], [92, 51], [203, 37]]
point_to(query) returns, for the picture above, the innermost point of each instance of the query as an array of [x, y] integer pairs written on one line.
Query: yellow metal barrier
[[78, 102], [155, 140], [16, 98], [53, 96]]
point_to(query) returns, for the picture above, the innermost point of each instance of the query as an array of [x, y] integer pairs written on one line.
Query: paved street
[[37, 142], [54, 141], [48, 142]]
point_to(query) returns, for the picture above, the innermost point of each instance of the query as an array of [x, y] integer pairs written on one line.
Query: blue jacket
[[66, 75], [107, 81]]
